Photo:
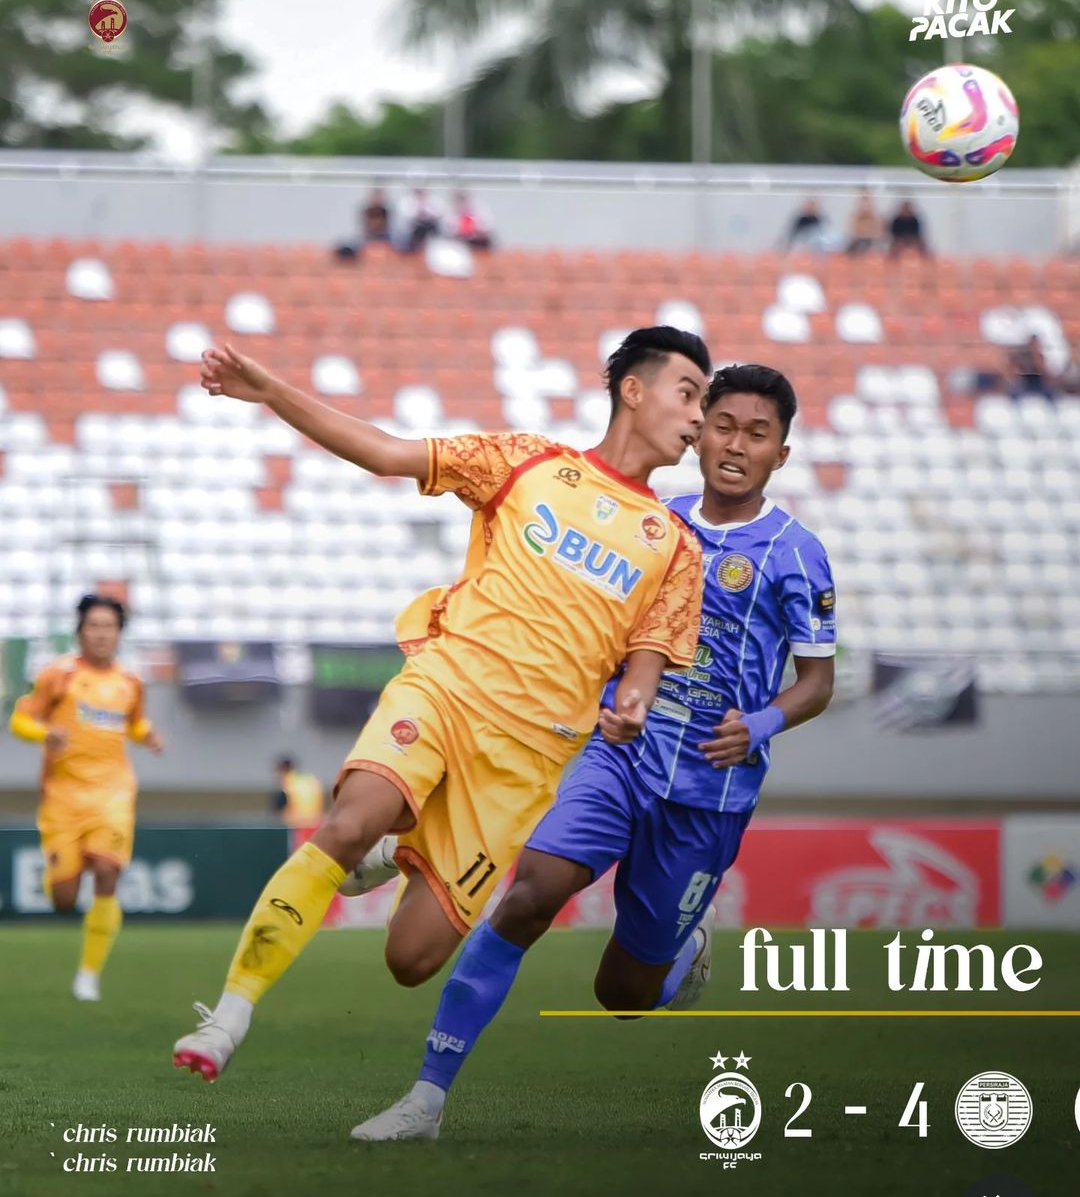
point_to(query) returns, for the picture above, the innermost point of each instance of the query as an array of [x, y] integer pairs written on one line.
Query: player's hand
[[624, 724], [56, 739], [226, 372], [155, 742], [732, 741]]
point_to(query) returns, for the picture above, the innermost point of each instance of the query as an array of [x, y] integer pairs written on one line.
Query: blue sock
[[470, 999], [678, 970]]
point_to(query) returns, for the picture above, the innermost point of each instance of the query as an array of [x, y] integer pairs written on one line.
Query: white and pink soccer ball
[[959, 123]]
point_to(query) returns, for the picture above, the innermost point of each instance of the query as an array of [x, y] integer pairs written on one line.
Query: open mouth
[[687, 440], [732, 470]]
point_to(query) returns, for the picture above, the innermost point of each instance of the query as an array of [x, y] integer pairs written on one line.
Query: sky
[[310, 55]]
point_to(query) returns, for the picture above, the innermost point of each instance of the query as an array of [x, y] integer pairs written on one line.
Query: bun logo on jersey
[[101, 719], [589, 559], [405, 732], [735, 572]]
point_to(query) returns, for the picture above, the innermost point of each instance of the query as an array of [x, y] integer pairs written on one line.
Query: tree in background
[[57, 91]]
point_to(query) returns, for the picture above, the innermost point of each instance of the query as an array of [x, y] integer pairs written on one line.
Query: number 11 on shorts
[[480, 861]]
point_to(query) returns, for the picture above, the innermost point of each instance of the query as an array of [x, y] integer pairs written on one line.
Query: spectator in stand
[[470, 225], [420, 219], [864, 231], [373, 223], [375, 217], [905, 231], [809, 229], [1029, 373]]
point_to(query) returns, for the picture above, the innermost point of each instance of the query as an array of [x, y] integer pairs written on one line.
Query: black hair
[[89, 601], [286, 763], [652, 345], [752, 379]]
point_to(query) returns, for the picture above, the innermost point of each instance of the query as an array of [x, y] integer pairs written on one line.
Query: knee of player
[[63, 904], [614, 993], [409, 968], [526, 910]]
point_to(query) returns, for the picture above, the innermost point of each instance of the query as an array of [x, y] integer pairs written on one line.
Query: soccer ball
[[959, 123]]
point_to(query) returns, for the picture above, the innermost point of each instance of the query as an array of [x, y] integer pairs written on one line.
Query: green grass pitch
[[545, 1106]]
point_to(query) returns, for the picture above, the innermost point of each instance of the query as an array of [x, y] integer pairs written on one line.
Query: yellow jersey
[[570, 566], [98, 708]]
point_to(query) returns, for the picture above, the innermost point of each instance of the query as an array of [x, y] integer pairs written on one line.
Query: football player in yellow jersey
[[573, 567], [82, 709]]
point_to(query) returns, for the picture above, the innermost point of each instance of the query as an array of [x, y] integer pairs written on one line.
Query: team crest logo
[[730, 1111], [735, 572], [1054, 877], [405, 732], [993, 1110], [108, 19], [653, 532], [605, 509]]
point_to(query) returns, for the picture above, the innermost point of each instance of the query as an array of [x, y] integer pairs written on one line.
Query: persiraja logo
[[959, 18], [580, 554]]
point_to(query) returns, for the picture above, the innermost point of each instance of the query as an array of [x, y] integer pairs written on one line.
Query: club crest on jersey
[[404, 732], [735, 572], [653, 532], [590, 560], [605, 509]]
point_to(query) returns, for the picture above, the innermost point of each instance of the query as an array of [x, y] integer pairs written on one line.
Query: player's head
[[100, 620], [656, 379], [285, 765], [748, 414]]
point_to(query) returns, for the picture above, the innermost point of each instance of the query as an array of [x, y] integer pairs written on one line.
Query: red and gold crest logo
[[405, 732], [653, 527], [108, 19]]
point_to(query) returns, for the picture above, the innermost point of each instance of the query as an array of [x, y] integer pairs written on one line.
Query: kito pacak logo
[[960, 18]]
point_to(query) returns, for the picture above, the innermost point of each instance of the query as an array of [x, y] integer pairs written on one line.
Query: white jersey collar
[[696, 517]]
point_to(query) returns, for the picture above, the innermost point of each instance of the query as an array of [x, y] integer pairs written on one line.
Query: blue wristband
[[762, 725]]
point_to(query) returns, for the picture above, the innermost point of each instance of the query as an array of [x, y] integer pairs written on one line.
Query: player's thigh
[[397, 761], [108, 843], [474, 826], [678, 856], [421, 937], [61, 845]]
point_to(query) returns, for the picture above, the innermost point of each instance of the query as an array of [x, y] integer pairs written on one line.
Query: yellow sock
[[101, 925], [288, 913]]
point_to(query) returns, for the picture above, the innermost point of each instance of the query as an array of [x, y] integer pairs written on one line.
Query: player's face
[[99, 638], [742, 442], [668, 406]]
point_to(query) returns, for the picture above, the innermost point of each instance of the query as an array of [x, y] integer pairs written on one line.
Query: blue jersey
[[768, 591]]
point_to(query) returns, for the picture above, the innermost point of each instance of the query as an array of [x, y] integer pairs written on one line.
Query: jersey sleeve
[[48, 689], [477, 466], [138, 726], [808, 600], [671, 625]]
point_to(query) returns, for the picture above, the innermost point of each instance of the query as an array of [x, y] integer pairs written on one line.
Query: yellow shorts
[[476, 792], [73, 832]]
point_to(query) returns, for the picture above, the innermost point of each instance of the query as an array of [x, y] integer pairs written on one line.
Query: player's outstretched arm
[[634, 695], [738, 734], [226, 372]]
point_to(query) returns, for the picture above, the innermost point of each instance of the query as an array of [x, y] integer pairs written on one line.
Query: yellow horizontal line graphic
[[810, 1013]]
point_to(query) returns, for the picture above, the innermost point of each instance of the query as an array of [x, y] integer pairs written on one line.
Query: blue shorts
[[671, 857]]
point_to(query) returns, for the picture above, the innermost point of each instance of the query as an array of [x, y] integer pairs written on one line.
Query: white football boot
[[86, 986], [207, 1049], [405, 1119], [377, 868], [697, 976]]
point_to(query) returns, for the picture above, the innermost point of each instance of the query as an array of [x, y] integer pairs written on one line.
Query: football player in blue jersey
[[669, 806]]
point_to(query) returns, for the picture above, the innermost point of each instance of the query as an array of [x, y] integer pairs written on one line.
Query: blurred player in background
[[670, 806], [299, 800], [573, 567], [82, 709]]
